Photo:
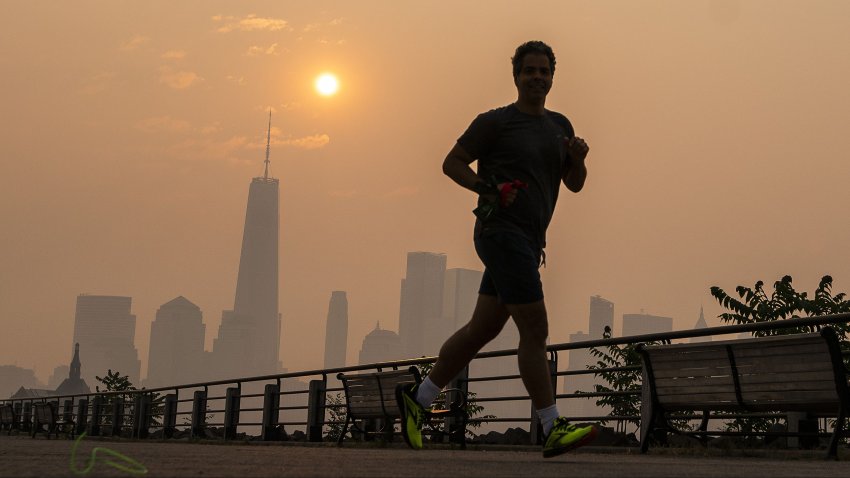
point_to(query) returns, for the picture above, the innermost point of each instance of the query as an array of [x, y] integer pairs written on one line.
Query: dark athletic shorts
[[511, 267]]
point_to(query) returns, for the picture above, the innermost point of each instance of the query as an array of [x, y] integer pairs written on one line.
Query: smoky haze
[[130, 134]]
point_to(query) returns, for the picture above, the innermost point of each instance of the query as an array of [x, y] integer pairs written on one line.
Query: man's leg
[[533, 325], [487, 321]]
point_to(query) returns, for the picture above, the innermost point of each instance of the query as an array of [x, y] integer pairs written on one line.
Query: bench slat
[[692, 390], [791, 378], [758, 341], [748, 391], [718, 371], [793, 397], [367, 411], [807, 350], [702, 381], [698, 399], [751, 365], [662, 356]]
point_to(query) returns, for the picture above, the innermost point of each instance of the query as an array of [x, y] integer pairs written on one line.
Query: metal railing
[[269, 405]]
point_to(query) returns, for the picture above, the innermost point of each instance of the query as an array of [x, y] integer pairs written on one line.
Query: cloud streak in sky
[[249, 23], [178, 80], [174, 55], [315, 141], [135, 42], [98, 83], [255, 50], [163, 123]]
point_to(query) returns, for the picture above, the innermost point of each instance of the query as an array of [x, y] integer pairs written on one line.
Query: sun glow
[[327, 84]]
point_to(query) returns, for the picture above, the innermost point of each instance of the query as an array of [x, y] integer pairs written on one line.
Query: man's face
[[535, 77]]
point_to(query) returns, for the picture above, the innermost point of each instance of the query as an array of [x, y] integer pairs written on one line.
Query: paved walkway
[[23, 456]]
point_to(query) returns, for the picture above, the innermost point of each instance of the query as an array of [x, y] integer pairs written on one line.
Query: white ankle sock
[[547, 418], [427, 392]]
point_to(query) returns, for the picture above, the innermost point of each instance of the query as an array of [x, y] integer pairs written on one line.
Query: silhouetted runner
[[524, 153]]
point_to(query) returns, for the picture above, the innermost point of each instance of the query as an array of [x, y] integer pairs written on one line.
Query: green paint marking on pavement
[[122, 462]]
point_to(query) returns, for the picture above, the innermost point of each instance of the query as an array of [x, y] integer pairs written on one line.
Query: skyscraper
[[639, 324], [460, 294], [579, 359], [380, 345], [336, 330], [601, 316], [421, 304], [105, 329], [701, 324], [248, 341], [177, 344]]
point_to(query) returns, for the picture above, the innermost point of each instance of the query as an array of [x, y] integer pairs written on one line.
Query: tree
[[337, 409], [755, 306], [785, 302], [622, 356], [115, 382]]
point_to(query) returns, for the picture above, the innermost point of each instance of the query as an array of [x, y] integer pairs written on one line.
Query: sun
[[327, 84]]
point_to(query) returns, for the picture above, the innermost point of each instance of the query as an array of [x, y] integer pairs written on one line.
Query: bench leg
[[647, 427], [655, 428], [388, 426], [832, 452], [458, 432], [344, 430]]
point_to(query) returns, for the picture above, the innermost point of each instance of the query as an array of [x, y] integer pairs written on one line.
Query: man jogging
[[524, 153]]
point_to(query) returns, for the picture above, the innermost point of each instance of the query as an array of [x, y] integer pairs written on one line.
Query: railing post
[[141, 415], [18, 407], [232, 401], [199, 413], [82, 416], [26, 423], [96, 408], [457, 427], [117, 415], [316, 410], [68, 409], [169, 415], [68, 414], [271, 412]]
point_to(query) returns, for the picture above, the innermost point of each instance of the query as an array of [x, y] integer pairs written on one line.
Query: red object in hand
[[506, 188]]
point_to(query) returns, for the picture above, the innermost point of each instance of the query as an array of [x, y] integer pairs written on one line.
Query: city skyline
[[129, 132]]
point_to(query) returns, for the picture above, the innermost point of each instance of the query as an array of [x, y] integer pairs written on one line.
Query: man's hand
[[576, 149], [508, 191], [575, 172], [496, 196]]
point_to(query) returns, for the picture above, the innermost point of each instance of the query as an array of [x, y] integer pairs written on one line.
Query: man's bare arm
[[576, 173], [456, 166]]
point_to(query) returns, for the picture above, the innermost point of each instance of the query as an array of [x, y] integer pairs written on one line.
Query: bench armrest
[[459, 403]]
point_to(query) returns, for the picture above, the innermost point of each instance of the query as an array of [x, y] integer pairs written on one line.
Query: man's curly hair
[[532, 47]]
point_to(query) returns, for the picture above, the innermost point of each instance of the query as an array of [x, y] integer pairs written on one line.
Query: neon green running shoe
[[412, 415], [564, 437]]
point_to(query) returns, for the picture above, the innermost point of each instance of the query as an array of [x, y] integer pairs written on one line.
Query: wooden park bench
[[783, 373], [371, 396], [8, 418], [46, 414]]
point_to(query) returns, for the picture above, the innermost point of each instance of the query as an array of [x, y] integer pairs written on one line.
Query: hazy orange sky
[[130, 132]]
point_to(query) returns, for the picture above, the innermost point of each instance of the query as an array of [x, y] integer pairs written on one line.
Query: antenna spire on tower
[[268, 145]]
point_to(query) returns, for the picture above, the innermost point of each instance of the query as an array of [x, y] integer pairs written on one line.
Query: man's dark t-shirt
[[509, 144]]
